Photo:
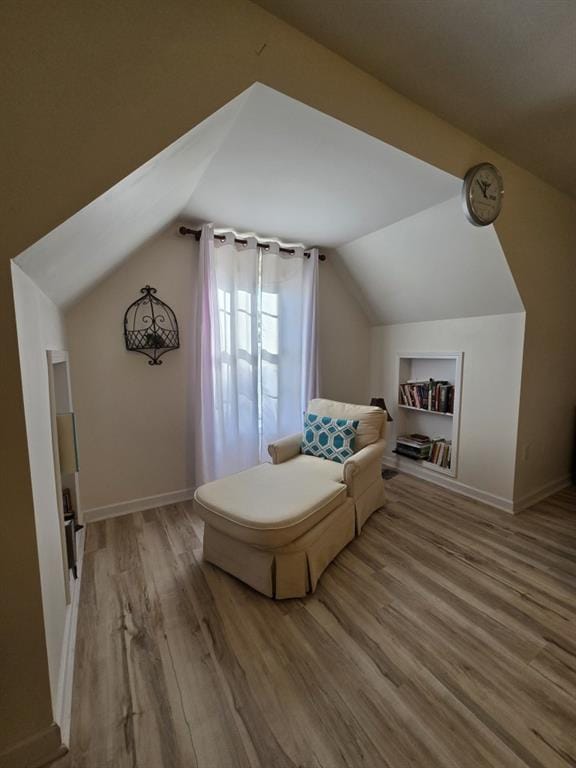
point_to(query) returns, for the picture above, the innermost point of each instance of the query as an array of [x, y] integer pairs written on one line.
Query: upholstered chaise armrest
[[286, 448], [363, 459]]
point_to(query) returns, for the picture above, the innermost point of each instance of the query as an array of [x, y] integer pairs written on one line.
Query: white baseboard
[[529, 499], [500, 502], [36, 751], [137, 505], [63, 706]]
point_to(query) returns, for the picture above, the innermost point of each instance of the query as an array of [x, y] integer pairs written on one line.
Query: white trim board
[[499, 502], [63, 707], [548, 489], [137, 505], [506, 505]]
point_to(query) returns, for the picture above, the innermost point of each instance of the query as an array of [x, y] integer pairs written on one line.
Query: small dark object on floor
[[388, 474]]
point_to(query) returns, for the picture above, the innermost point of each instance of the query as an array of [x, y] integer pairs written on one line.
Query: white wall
[[490, 398], [134, 419], [40, 328]]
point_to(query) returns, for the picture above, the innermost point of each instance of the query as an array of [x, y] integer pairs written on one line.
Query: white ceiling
[[286, 170], [502, 70], [264, 163], [431, 266]]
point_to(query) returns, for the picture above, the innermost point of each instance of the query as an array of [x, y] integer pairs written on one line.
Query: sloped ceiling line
[[500, 71], [71, 259]]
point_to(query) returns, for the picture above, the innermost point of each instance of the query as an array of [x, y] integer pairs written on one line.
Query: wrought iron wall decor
[[150, 327]]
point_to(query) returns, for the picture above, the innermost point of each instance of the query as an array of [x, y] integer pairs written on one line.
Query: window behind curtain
[[249, 325], [255, 350]]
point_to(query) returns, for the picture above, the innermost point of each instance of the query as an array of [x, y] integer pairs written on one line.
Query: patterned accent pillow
[[328, 438]]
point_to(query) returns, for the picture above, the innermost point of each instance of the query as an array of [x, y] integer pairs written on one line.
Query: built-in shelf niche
[[423, 366]]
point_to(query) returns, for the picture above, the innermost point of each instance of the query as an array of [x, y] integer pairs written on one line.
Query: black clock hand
[[482, 188], [487, 186]]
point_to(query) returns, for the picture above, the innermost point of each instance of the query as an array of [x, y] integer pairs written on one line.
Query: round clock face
[[482, 194]]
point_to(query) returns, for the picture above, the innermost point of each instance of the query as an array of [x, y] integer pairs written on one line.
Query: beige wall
[[490, 394], [134, 425], [541, 251], [94, 90], [133, 417], [25, 698], [343, 339], [40, 328]]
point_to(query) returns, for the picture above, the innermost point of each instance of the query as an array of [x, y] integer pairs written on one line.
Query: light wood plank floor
[[444, 636]]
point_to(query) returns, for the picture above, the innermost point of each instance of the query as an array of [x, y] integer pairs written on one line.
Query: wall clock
[[482, 194]]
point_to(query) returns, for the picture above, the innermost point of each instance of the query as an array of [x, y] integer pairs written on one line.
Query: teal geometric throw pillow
[[328, 438]]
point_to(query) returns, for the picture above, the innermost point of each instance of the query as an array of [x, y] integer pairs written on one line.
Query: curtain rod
[[197, 233]]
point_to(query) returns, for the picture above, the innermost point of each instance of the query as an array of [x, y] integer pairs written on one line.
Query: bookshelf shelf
[[437, 468], [424, 410], [426, 464], [420, 372]]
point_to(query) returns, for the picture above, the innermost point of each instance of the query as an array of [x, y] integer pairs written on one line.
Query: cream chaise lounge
[[277, 526]]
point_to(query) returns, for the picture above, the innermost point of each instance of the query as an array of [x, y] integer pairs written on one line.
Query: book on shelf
[[428, 395], [441, 453], [423, 448], [414, 446]]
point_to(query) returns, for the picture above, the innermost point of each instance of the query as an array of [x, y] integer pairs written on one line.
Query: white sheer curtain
[[256, 351], [289, 368]]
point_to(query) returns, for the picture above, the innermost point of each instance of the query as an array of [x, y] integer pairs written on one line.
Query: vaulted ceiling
[[501, 70], [268, 164], [289, 171], [431, 266], [264, 163]]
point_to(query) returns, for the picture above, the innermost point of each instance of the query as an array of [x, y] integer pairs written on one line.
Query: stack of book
[[413, 446], [428, 395], [441, 453]]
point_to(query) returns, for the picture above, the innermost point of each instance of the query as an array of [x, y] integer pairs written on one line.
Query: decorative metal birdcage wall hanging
[[150, 327]]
